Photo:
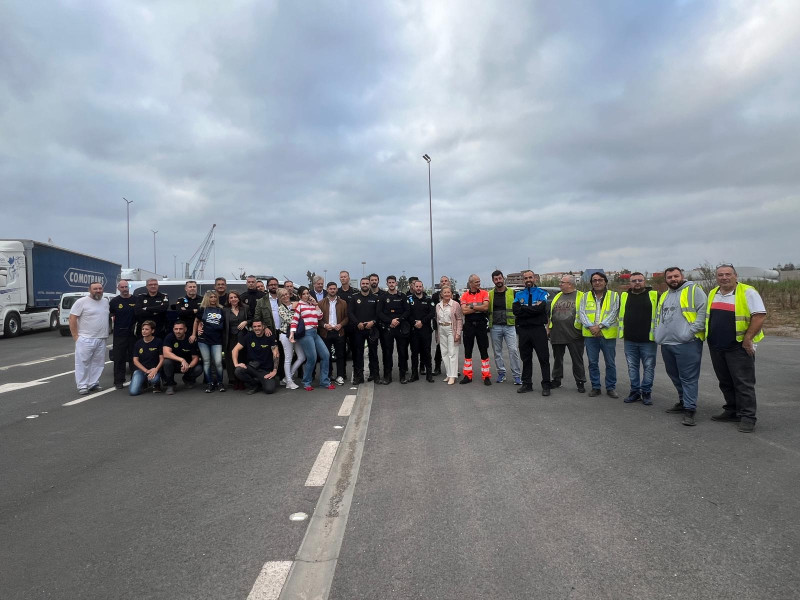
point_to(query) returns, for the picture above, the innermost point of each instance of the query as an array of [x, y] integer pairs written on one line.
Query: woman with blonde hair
[[286, 311], [450, 322], [208, 331]]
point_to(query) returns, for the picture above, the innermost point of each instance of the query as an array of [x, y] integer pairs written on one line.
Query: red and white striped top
[[311, 316]]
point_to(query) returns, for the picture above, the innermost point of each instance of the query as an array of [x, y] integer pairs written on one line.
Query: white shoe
[[339, 381], [446, 379], [291, 385]]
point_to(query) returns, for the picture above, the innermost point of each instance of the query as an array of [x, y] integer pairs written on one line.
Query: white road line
[[269, 582], [93, 395], [10, 387], [108, 362], [347, 405], [319, 472], [36, 362]]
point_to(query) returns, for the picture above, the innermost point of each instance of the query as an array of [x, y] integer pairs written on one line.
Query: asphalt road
[[461, 492]]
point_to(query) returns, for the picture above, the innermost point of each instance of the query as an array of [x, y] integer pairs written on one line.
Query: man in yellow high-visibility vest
[[735, 317]]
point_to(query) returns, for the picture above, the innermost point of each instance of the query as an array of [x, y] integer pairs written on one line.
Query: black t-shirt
[[124, 313], [259, 349], [722, 329], [148, 353], [213, 320], [187, 309], [638, 316], [182, 348]]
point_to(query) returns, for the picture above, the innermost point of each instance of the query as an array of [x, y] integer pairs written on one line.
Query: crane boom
[[198, 266]]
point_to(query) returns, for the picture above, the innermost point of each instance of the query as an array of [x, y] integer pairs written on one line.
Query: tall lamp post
[[430, 216], [128, 213], [155, 267], [363, 266]]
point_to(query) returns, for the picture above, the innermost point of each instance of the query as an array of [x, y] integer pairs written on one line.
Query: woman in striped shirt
[[311, 343]]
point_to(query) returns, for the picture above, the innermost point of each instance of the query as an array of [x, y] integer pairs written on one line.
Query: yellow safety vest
[[589, 305], [653, 302], [687, 308], [577, 303], [741, 310]]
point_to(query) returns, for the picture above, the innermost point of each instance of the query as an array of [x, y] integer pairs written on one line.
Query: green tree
[[402, 283]]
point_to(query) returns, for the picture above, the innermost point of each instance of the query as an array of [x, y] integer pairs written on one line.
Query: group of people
[[270, 334]]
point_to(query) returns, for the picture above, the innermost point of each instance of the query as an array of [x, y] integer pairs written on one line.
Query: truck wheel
[[12, 326], [64, 331], [54, 320]]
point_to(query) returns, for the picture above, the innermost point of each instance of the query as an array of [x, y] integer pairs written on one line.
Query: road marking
[[36, 362], [93, 395], [10, 387], [347, 405], [312, 572], [322, 466], [270, 581]]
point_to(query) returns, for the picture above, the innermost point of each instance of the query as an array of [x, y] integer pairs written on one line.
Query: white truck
[[34, 275]]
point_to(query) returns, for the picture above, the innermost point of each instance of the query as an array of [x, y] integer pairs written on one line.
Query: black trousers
[[349, 340], [123, 354], [421, 349], [575, 348], [473, 332], [736, 372], [254, 377], [335, 343], [534, 337], [362, 335], [390, 336], [170, 367]]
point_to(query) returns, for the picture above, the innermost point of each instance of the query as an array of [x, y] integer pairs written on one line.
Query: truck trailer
[[33, 275]]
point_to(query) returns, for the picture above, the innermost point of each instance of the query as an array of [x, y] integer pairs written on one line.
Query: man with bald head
[[475, 305]]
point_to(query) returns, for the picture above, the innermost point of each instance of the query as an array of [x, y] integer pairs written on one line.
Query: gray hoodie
[[672, 327]]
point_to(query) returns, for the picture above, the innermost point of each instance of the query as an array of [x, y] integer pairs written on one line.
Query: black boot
[[414, 376], [437, 370]]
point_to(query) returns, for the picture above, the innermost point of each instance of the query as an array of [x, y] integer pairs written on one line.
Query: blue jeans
[[609, 348], [314, 347], [682, 362], [139, 382], [509, 334], [644, 353], [210, 353]]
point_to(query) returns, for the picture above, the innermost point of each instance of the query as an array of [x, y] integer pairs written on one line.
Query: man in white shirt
[[88, 324]]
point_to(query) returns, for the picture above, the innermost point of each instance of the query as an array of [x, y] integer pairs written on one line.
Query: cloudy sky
[[571, 134]]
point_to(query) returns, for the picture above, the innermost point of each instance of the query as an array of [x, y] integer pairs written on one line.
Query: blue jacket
[[524, 310]]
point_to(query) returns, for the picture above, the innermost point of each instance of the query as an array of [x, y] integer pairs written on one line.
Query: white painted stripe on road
[[93, 395], [269, 582], [347, 405], [36, 362], [108, 362], [322, 466], [10, 387]]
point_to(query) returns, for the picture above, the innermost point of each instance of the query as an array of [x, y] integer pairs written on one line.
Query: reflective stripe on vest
[[741, 310], [590, 307], [578, 296], [688, 309], [653, 302]]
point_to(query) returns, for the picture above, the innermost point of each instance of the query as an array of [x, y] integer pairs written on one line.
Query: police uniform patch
[[358, 300], [145, 301], [176, 344], [120, 305], [141, 350], [252, 344]]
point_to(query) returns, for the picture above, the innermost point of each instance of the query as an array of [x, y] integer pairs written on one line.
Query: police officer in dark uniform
[[443, 281], [393, 309], [250, 297], [152, 305], [363, 311], [189, 305], [123, 312], [420, 316], [345, 292]]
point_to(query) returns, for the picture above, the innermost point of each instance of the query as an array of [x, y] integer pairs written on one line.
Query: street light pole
[[155, 265], [430, 216], [363, 265], [128, 213]]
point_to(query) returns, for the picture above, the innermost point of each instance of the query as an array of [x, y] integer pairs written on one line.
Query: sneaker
[[339, 381], [466, 380], [501, 377], [83, 392], [581, 389], [646, 399], [612, 393], [209, 388], [556, 383], [118, 386], [525, 388], [308, 388], [252, 390], [157, 388], [282, 381], [221, 388], [291, 385], [688, 418], [747, 426], [632, 397], [726, 416], [332, 386], [487, 381], [594, 392], [517, 380], [170, 390], [675, 408], [96, 388]]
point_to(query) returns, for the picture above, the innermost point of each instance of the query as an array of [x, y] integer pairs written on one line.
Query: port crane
[[197, 263]]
